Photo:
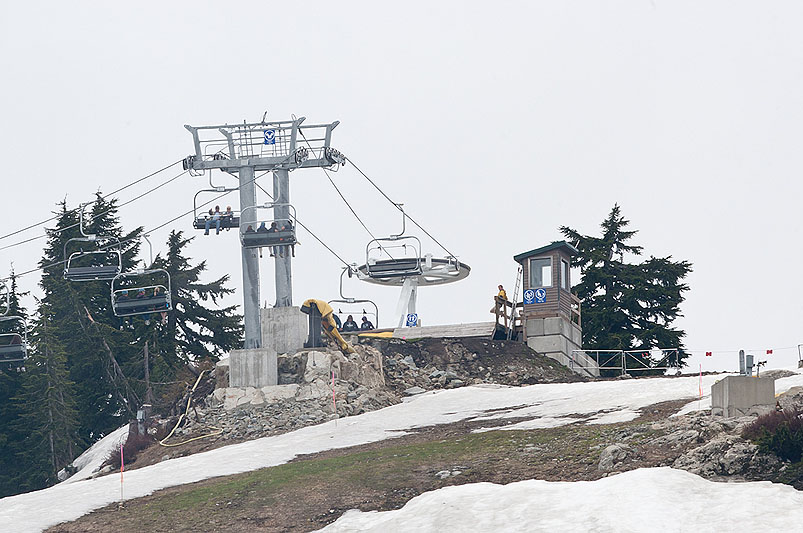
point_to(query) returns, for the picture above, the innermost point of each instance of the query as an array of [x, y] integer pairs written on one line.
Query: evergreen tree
[[193, 332], [11, 380], [627, 306], [49, 417], [83, 320]]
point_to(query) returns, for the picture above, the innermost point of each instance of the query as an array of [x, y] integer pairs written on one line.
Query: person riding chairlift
[[350, 324], [366, 324], [228, 217], [214, 218]]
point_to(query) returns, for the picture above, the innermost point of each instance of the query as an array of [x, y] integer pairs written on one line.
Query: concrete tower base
[[284, 329]]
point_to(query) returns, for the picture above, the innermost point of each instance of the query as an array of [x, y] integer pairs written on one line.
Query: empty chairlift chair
[[102, 261], [13, 342], [396, 266], [135, 293], [79, 265]]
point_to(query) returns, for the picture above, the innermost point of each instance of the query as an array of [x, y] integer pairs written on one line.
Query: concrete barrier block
[[535, 327], [553, 326], [548, 343], [255, 367], [576, 334], [736, 396], [284, 329]]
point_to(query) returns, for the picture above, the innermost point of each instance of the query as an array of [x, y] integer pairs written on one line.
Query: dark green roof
[[557, 245]]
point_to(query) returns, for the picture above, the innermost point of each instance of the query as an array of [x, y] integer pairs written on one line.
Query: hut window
[[564, 274], [541, 272]]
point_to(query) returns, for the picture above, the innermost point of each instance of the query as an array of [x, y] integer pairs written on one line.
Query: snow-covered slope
[[648, 499], [548, 406], [90, 461]]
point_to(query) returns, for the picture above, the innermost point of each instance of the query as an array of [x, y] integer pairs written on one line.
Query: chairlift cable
[[396, 205], [92, 202], [127, 202], [309, 231], [341, 194], [120, 243]]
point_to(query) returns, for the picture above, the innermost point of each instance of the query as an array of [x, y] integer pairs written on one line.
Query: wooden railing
[[503, 311], [574, 315]]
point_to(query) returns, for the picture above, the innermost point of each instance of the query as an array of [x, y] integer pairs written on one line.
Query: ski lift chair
[[103, 272], [258, 234], [354, 301], [200, 218], [400, 267], [13, 343], [130, 298]]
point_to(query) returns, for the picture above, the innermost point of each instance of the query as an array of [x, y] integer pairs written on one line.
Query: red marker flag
[[708, 354], [769, 352]]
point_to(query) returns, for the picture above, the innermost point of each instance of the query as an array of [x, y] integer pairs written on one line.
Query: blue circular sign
[[529, 296], [540, 296]]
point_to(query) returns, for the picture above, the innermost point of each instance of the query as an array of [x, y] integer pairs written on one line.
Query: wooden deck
[[475, 329]]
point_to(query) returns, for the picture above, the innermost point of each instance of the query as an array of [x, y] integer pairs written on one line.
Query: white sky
[[494, 125]]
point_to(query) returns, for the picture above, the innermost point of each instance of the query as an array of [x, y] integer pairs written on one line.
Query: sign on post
[[270, 136], [412, 320]]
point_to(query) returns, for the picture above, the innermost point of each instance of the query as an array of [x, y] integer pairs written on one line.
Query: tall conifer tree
[[627, 306], [194, 332], [11, 381]]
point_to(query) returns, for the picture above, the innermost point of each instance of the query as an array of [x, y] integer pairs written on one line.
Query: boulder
[[310, 391], [613, 456], [275, 393], [726, 455]]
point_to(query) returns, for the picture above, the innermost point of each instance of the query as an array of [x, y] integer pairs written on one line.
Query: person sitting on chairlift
[[350, 324], [228, 216], [122, 295], [274, 228], [216, 219], [140, 294], [249, 229], [366, 324], [289, 227]]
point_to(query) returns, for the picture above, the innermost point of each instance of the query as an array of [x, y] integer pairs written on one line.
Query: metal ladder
[[514, 302]]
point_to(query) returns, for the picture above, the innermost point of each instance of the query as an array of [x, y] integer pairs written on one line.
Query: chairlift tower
[[242, 150]]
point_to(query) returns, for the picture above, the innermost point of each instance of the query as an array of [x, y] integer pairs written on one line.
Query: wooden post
[[148, 391]]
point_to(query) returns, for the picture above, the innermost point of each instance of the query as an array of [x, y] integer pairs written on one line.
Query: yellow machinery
[[327, 322]]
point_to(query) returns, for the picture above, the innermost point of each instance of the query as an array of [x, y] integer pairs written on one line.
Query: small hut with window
[[551, 313]]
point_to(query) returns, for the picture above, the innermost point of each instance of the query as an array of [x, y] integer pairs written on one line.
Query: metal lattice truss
[[288, 144]]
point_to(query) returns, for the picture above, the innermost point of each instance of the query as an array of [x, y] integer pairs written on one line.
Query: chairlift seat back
[[91, 273], [225, 222], [262, 239], [12, 352], [392, 268], [138, 306]]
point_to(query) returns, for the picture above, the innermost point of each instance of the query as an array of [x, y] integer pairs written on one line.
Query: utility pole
[[243, 150]]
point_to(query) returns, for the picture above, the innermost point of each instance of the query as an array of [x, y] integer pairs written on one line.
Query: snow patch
[[89, 462], [647, 498]]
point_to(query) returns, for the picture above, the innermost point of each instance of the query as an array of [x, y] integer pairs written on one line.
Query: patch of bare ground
[[314, 490]]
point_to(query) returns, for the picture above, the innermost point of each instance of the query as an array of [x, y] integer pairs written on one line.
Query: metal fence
[[624, 361]]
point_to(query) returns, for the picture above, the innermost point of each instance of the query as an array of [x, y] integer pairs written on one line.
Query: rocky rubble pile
[[427, 364], [322, 384], [711, 447]]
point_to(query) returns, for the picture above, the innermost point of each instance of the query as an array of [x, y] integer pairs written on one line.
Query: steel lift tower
[[242, 150]]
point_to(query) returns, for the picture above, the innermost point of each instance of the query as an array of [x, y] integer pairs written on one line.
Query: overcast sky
[[494, 123]]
